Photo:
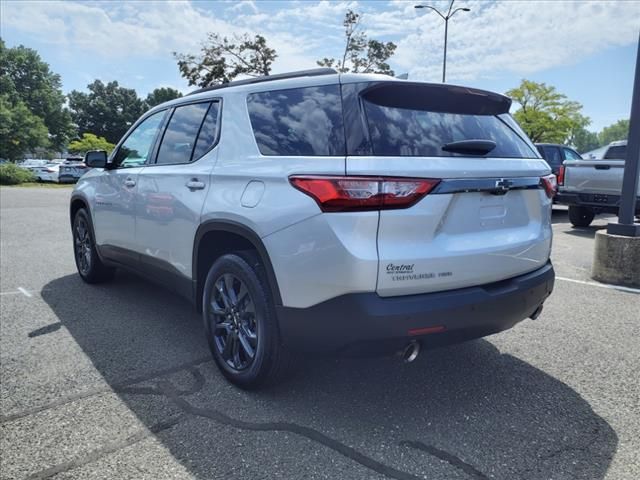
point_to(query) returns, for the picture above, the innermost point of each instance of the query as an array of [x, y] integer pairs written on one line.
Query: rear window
[[618, 152], [551, 155], [298, 122], [406, 132]]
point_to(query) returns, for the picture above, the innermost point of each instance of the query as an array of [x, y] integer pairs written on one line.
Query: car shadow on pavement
[[585, 232], [466, 411]]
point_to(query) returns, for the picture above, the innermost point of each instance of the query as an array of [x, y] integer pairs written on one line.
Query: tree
[[360, 55], [584, 140], [20, 130], [107, 110], [26, 77], [89, 141], [223, 59], [545, 114], [617, 131], [161, 95]]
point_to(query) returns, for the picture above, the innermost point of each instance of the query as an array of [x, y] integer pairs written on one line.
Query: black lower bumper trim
[[599, 203], [365, 323]]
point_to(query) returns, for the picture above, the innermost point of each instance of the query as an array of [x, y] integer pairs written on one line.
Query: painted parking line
[[601, 285], [24, 292]]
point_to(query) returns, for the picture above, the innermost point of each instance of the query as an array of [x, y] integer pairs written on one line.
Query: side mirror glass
[[96, 159]]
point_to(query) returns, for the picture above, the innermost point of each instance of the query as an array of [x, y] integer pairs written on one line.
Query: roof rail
[[314, 72]]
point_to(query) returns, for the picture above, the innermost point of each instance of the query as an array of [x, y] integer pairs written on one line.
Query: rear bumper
[[365, 323], [600, 203]]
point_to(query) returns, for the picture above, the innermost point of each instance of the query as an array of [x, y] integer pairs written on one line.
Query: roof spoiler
[[435, 97]]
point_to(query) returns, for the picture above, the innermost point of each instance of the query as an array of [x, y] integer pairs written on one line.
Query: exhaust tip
[[536, 313], [410, 352]]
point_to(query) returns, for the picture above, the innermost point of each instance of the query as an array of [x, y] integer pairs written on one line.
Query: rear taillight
[[347, 194], [561, 175], [550, 185]]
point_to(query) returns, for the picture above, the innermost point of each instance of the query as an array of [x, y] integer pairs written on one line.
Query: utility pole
[[446, 29]]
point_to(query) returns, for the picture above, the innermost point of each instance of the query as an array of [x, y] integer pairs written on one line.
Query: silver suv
[[316, 212]]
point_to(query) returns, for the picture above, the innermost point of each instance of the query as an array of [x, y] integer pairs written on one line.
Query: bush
[[11, 174]]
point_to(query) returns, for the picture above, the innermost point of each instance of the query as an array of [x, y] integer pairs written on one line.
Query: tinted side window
[[571, 155], [551, 155], [298, 122], [179, 138], [136, 148], [208, 132]]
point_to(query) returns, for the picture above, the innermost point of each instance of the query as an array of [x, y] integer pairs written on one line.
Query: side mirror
[[96, 159]]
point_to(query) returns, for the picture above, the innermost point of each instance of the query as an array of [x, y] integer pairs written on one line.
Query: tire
[[240, 322], [580, 216], [90, 267]]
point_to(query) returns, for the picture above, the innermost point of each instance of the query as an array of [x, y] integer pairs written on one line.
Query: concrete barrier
[[616, 259]]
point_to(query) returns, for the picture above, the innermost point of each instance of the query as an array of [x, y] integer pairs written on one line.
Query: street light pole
[[446, 29]]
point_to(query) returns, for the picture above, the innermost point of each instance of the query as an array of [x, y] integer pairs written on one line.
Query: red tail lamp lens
[[346, 194], [550, 185]]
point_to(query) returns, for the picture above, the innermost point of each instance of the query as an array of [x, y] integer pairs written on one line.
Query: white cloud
[[516, 37]]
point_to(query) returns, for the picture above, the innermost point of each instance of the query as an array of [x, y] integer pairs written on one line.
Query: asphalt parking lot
[[116, 381]]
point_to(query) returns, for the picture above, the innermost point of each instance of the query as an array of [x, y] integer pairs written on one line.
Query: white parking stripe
[[24, 292], [601, 285]]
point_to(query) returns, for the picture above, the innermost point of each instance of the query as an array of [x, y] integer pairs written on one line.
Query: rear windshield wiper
[[470, 147]]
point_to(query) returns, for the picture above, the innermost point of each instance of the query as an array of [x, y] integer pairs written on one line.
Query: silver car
[[355, 214]]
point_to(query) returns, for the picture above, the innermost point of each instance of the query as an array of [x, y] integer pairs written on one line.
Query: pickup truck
[[593, 185]]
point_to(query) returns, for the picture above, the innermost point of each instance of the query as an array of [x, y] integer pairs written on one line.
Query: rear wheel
[[240, 322], [89, 265], [580, 216]]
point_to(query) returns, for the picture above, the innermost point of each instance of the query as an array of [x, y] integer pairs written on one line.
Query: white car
[[47, 173], [32, 164], [312, 211]]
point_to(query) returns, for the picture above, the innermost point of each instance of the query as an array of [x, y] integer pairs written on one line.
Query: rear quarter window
[[298, 122]]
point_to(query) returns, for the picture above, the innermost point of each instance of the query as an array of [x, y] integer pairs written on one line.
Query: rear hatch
[[487, 218]]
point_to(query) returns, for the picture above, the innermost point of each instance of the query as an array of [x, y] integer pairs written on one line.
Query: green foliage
[[223, 59], [25, 78], [20, 130], [89, 141], [107, 110], [361, 55], [617, 131], [161, 95], [584, 140], [545, 114], [11, 174]]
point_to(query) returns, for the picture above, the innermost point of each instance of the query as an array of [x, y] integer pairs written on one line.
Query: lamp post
[[446, 18]]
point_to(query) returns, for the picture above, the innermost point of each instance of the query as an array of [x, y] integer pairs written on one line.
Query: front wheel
[[580, 216], [240, 322], [90, 267]]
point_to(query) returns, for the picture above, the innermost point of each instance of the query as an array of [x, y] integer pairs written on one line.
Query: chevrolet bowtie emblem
[[502, 186]]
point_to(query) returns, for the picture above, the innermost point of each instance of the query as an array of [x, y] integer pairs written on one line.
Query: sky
[[586, 49]]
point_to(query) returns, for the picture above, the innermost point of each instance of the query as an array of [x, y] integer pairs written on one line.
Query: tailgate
[[594, 176], [488, 218]]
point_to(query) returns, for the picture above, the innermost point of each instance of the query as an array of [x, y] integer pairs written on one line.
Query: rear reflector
[[426, 330], [348, 194], [550, 185], [561, 175]]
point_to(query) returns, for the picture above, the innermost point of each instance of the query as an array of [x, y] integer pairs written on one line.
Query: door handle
[[195, 184], [129, 182]]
